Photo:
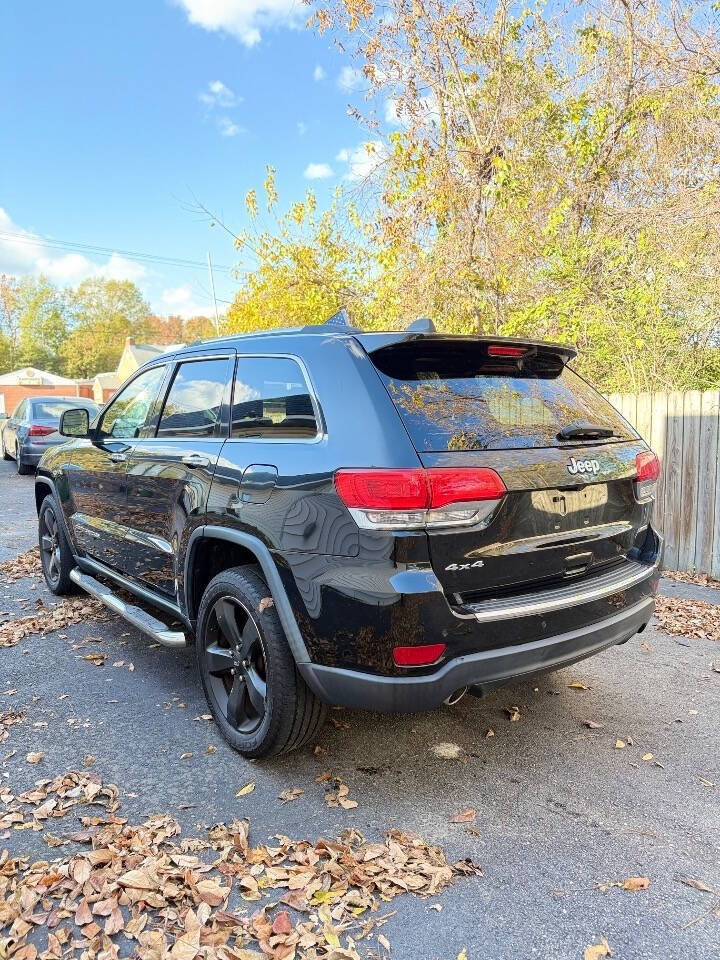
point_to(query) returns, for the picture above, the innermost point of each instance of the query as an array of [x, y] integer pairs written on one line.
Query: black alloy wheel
[[254, 690], [236, 664], [50, 545], [56, 556]]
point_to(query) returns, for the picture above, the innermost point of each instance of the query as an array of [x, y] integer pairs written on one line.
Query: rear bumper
[[483, 670]]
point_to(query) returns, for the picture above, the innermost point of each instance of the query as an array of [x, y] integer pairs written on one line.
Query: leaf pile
[[701, 579], [24, 565], [142, 883], [688, 618], [48, 619]]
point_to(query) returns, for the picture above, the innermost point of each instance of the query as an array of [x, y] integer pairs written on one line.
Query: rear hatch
[[565, 455]]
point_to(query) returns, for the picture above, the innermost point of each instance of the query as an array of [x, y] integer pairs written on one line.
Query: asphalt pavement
[[563, 815]]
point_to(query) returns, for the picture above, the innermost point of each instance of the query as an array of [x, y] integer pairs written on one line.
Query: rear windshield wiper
[[585, 431]]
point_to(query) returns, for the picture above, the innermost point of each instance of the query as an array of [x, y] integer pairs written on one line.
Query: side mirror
[[75, 423]]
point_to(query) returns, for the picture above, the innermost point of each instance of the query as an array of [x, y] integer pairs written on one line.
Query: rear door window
[[451, 395], [271, 400], [193, 407]]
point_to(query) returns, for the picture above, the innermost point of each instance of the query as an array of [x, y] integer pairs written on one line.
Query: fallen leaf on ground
[[35, 757], [636, 883], [593, 725], [620, 744], [287, 796], [578, 685], [705, 782], [697, 884], [244, 791], [384, 942], [465, 816], [513, 714], [688, 618], [24, 565], [69, 611], [598, 950], [647, 756], [490, 733], [186, 756], [211, 749]]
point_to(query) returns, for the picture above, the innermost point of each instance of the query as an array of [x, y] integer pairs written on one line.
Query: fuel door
[[258, 482]]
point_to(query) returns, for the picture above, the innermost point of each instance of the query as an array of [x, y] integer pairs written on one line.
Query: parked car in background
[[33, 427]]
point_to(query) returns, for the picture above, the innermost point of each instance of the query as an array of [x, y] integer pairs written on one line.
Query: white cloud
[[244, 19], [21, 253], [181, 301], [219, 95], [318, 171], [228, 128], [363, 160], [302, 128], [319, 73], [350, 78]]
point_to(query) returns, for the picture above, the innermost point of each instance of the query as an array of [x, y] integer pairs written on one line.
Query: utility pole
[[212, 287]]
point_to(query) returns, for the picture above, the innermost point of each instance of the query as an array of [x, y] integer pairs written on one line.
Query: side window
[[125, 416], [272, 399], [193, 407]]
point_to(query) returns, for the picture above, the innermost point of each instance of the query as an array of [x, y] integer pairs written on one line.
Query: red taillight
[[420, 656], [503, 350], [383, 489], [38, 431], [648, 471], [463, 485], [413, 498], [647, 466]]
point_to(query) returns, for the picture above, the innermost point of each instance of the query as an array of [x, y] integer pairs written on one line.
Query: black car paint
[[352, 594]]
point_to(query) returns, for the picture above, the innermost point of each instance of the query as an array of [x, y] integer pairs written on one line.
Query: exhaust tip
[[455, 697]]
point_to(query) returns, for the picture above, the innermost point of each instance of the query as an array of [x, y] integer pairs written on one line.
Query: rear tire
[[257, 697], [56, 556], [22, 468], [5, 454]]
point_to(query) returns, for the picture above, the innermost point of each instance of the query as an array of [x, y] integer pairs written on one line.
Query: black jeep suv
[[376, 520]]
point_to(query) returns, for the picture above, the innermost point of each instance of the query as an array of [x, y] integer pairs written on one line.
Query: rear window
[[52, 409], [452, 395]]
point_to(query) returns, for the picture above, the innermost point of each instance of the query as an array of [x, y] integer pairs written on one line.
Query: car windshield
[[53, 409]]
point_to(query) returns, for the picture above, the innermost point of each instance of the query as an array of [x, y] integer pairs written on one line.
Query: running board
[[138, 617]]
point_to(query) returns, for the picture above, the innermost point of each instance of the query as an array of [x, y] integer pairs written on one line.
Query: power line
[[77, 247]]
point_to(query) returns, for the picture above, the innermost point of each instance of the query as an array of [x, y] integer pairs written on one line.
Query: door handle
[[193, 460], [117, 457]]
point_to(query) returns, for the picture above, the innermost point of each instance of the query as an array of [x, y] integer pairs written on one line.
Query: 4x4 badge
[[583, 466], [465, 566]]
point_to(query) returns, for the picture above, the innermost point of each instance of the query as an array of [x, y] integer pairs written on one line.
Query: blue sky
[[116, 114]]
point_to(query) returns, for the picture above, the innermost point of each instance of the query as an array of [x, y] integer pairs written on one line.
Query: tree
[[551, 174], [305, 266], [9, 323], [104, 313], [42, 323]]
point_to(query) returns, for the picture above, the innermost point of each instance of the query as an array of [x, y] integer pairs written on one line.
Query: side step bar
[[139, 618]]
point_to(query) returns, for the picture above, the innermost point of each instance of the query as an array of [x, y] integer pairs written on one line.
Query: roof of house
[[108, 380], [31, 375], [142, 352]]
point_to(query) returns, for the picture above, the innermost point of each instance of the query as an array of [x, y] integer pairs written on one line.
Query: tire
[[22, 468], [56, 556], [257, 697]]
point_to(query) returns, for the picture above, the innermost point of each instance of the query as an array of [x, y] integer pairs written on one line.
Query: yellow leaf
[[636, 883], [248, 788], [577, 685], [619, 744], [462, 955], [647, 756], [598, 950]]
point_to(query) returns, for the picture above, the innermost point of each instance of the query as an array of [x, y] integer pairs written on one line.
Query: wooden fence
[[682, 428]]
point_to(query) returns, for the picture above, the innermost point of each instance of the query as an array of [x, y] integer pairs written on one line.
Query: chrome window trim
[[321, 432]]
